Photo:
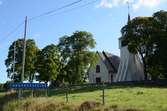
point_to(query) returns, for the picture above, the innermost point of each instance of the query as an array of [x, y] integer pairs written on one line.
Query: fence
[[89, 92], [77, 93]]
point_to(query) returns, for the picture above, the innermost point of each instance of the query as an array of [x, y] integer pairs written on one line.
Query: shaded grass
[[6, 98]]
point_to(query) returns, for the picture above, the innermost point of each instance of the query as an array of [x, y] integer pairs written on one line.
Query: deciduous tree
[[76, 55], [48, 63], [147, 36], [31, 57]]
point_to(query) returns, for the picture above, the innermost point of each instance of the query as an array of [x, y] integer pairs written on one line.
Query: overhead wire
[[49, 13], [57, 9], [35, 17], [11, 32], [81, 6]]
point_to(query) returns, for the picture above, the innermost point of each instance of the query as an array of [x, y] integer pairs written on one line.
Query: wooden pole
[[24, 50], [66, 94], [24, 55], [14, 57], [103, 98], [46, 92]]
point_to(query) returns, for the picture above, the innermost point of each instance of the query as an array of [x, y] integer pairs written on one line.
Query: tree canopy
[[147, 36], [66, 62], [48, 63], [30, 61], [76, 55]]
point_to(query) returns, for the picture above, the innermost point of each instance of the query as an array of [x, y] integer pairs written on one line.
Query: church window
[[97, 68]]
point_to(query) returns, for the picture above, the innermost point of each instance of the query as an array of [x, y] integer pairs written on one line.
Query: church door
[[98, 80]]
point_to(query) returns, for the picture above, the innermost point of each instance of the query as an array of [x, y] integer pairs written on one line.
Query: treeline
[[69, 60], [147, 36], [65, 62]]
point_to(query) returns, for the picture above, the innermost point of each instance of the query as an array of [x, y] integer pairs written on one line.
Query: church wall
[[103, 74], [130, 68]]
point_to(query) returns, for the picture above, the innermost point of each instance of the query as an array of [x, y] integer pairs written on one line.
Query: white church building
[[106, 68], [131, 67], [112, 69]]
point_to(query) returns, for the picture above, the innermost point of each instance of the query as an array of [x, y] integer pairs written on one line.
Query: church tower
[[131, 67]]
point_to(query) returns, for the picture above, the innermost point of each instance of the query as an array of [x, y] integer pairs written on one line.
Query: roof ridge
[[107, 58]]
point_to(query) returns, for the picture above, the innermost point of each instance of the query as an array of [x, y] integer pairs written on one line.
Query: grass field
[[142, 98], [149, 99]]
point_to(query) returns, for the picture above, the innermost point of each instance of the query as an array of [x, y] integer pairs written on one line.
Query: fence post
[[66, 93], [32, 92], [46, 92], [103, 98], [19, 93]]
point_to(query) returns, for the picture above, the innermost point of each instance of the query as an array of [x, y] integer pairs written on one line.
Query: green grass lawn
[[149, 99], [143, 98]]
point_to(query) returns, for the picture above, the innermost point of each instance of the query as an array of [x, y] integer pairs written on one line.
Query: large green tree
[[147, 36], [48, 63], [158, 57], [76, 55], [137, 35], [31, 57]]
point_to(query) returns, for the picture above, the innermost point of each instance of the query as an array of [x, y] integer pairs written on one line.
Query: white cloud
[[121, 2], [146, 4], [136, 4], [112, 3], [105, 4]]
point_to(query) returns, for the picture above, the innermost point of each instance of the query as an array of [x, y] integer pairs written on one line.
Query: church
[[126, 68], [105, 69], [131, 67]]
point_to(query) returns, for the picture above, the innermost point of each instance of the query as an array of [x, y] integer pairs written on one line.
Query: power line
[[11, 32], [81, 6], [55, 10], [43, 14], [48, 13]]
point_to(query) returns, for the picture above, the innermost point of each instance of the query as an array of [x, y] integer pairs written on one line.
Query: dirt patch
[[89, 105]]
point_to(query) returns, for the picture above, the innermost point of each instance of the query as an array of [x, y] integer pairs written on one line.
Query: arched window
[[97, 68]]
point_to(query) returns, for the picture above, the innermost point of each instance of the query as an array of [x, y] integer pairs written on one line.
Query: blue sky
[[103, 19]]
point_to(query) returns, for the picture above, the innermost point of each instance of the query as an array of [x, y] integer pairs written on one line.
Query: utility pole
[[24, 50], [24, 56], [14, 57]]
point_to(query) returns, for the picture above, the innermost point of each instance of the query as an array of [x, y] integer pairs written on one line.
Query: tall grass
[[45, 104]]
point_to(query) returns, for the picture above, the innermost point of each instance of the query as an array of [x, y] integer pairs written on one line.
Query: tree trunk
[[144, 65]]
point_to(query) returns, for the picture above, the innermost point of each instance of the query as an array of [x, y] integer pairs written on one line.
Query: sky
[[103, 18]]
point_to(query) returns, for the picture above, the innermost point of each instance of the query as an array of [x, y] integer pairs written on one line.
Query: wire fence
[[77, 93], [101, 93]]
